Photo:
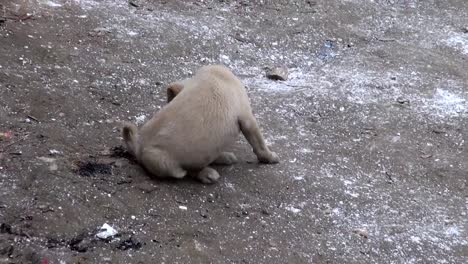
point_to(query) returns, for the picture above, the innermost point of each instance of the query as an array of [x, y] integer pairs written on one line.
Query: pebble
[[6, 251], [361, 232], [204, 213], [277, 73], [266, 211], [210, 198]]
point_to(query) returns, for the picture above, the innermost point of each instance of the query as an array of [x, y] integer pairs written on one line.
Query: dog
[[204, 114]]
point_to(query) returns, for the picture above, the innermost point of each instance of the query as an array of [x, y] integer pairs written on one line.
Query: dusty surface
[[371, 127]]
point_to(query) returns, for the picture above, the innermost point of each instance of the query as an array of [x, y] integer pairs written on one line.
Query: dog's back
[[201, 120]]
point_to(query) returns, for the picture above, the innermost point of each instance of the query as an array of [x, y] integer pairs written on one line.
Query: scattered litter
[[5, 135], [106, 231], [33, 118], [54, 152], [327, 51], [182, 207], [293, 209], [298, 178]]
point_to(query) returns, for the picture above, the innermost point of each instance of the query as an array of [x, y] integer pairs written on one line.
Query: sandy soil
[[371, 128]]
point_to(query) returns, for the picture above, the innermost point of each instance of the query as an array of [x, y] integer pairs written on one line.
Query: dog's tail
[[129, 134]]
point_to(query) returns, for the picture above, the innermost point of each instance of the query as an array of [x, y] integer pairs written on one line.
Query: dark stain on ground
[[89, 168], [121, 152], [129, 243]]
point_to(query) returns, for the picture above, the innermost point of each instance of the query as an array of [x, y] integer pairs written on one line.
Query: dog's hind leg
[[160, 164]]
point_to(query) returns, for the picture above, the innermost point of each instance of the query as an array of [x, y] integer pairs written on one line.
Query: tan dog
[[203, 116]]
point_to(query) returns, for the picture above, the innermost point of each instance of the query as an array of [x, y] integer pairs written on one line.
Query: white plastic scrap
[[106, 231]]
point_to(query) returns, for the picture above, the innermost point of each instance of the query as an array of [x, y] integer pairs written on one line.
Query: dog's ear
[[173, 90]]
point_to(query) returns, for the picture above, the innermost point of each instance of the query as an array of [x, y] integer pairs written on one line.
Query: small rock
[[5, 229], [129, 243], [361, 232], [146, 188], [6, 251], [204, 213], [80, 243], [45, 208], [210, 198], [402, 100], [99, 32], [277, 73], [134, 3], [272, 244], [426, 156], [180, 200], [265, 211]]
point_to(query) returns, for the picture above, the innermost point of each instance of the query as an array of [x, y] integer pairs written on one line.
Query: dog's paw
[[208, 176], [226, 158], [269, 158]]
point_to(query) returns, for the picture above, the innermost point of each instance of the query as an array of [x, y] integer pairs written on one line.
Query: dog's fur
[[203, 116]]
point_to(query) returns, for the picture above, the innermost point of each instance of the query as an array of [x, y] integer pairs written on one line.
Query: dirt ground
[[371, 128]]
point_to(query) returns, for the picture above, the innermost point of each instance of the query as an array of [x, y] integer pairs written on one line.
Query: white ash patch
[[140, 119], [295, 209], [447, 103], [53, 4], [433, 227], [457, 41]]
